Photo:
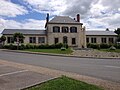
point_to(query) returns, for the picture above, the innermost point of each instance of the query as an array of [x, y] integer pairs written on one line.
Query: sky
[[31, 14]]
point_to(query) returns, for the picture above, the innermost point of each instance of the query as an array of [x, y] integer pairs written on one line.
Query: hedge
[[102, 46], [30, 46]]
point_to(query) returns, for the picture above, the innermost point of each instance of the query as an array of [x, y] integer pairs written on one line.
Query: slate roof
[[24, 31], [63, 19], [109, 33], [43, 32]]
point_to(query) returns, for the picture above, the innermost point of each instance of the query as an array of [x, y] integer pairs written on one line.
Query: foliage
[[117, 31], [3, 39], [30, 46], [18, 37], [98, 46], [104, 46], [94, 46]]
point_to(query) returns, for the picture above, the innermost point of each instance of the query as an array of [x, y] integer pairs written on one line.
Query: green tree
[[117, 31], [18, 37], [3, 39]]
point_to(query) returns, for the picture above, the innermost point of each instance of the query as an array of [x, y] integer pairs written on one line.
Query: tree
[[3, 39], [19, 38], [117, 31]]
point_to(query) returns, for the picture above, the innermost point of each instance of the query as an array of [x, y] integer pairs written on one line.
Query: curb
[[60, 55]]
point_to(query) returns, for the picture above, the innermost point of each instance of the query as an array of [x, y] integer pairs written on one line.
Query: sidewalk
[[107, 85]]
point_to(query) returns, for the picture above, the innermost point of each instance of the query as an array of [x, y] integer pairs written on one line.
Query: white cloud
[[94, 13], [54, 7], [27, 24], [9, 9]]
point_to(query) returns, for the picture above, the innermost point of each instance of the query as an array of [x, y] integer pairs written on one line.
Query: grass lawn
[[64, 83], [57, 51], [107, 50]]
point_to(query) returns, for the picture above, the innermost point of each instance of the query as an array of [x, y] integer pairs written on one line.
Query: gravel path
[[95, 53], [107, 85]]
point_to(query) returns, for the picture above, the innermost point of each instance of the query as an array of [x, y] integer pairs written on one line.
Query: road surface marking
[[113, 66], [13, 73]]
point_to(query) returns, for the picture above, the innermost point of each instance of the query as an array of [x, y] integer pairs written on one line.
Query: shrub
[[94, 46], [104, 46], [117, 46], [13, 47], [6, 47], [22, 47], [58, 45], [29, 46]]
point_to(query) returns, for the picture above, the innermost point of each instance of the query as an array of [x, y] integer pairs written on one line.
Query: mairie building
[[62, 29]]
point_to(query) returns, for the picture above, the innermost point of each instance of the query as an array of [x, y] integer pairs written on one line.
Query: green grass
[[107, 50], [64, 83], [56, 51]]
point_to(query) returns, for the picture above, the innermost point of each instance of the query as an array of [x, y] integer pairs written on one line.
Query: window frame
[[87, 40], [41, 40], [111, 39], [73, 41], [56, 31], [32, 39], [56, 40], [104, 40], [10, 40], [73, 29], [65, 40], [94, 40], [65, 29]]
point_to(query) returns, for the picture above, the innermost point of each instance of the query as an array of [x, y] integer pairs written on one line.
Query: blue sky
[[31, 14]]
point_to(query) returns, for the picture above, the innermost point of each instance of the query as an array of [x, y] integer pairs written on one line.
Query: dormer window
[[73, 29], [65, 30], [56, 29]]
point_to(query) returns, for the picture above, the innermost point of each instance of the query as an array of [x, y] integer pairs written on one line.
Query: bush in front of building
[[102, 46], [117, 46], [94, 46], [30, 46], [105, 46]]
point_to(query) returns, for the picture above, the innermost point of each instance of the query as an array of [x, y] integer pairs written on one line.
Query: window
[[73, 40], [103, 40], [56, 40], [87, 39], [93, 40], [65, 41], [32, 39], [73, 29], [111, 40], [56, 29], [65, 30], [41, 39], [10, 40]]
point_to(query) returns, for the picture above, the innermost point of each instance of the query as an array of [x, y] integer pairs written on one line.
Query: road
[[107, 69]]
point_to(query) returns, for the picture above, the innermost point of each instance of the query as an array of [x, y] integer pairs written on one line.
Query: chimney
[[47, 18], [78, 17]]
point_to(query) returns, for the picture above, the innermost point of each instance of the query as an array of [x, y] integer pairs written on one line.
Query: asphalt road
[[108, 69]]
